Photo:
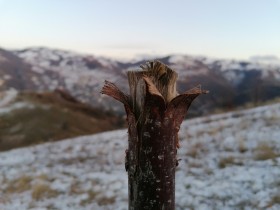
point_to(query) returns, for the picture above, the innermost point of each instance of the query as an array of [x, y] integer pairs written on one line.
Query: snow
[[187, 65], [232, 70], [70, 71], [84, 75], [182, 59], [218, 167], [7, 96], [14, 106], [41, 58], [235, 77], [65, 64], [269, 60]]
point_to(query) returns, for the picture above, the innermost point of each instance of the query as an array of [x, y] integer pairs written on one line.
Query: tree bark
[[154, 114]]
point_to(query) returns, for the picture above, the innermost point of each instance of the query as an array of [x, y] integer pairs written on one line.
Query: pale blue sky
[[125, 28]]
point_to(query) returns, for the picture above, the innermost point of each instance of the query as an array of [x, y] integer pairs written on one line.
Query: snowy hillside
[[228, 161], [82, 75], [231, 82], [32, 118]]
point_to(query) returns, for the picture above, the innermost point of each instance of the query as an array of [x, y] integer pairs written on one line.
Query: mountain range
[[227, 161], [231, 83]]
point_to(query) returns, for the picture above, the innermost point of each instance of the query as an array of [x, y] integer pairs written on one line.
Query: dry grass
[[19, 185], [192, 153], [265, 152], [76, 189], [90, 199], [62, 119], [275, 200], [106, 201], [241, 146], [43, 177], [224, 162], [23, 183], [40, 191], [214, 131], [195, 150], [71, 161]]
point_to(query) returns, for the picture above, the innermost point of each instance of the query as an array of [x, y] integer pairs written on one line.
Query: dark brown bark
[[154, 115]]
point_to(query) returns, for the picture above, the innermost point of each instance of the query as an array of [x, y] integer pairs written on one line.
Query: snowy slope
[[229, 161], [66, 63], [231, 82], [82, 75]]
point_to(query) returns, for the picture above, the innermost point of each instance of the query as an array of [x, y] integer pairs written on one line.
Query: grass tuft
[[19, 185], [91, 197], [224, 162], [265, 152], [40, 191]]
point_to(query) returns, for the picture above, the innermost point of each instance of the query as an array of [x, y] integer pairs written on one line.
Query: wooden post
[[154, 114]]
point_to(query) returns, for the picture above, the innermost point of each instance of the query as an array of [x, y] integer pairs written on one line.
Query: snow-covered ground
[[7, 96], [228, 161], [7, 103]]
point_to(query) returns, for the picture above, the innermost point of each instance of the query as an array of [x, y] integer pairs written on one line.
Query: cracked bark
[[154, 114]]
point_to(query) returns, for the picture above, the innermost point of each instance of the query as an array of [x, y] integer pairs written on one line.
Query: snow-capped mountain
[[82, 75], [228, 161], [268, 59], [231, 83]]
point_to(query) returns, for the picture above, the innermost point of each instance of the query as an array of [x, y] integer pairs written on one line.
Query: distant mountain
[[231, 83], [268, 59], [14, 72]]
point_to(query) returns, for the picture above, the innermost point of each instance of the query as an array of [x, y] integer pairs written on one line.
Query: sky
[[124, 29]]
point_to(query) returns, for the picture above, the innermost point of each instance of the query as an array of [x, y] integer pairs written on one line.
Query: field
[[228, 161]]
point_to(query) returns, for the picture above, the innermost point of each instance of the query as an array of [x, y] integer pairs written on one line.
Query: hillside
[[228, 161], [28, 118], [231, 83]]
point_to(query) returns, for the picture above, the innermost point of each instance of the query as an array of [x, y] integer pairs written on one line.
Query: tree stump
[[154, 114]]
